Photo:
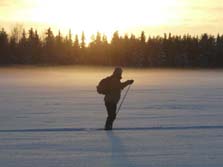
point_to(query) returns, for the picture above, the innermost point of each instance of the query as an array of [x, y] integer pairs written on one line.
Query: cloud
[[215, 6], [14, 3], [202, 13], [8, 3], [4, 2]]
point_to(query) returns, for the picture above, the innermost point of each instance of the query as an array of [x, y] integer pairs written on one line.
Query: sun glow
[[101, 15], [126, 16]]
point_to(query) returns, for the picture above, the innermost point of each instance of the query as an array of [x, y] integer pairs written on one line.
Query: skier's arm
[[126, 83]]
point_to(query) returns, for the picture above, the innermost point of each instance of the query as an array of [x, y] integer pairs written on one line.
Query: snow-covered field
[[51, 117]]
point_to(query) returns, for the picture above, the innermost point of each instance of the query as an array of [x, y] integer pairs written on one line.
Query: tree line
[[169, 50]]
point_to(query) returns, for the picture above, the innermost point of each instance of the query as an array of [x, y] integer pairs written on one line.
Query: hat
[[117, 71]]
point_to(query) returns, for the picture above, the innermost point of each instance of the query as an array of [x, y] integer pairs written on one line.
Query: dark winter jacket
[[115, 87]]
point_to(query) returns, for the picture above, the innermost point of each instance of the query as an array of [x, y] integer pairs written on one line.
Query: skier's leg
[[113, 113], [108, 123], [111, 110]]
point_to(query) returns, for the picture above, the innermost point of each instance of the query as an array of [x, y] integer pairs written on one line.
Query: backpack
[[103, 86]]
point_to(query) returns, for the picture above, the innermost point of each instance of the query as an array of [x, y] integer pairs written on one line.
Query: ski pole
[[123, 99]]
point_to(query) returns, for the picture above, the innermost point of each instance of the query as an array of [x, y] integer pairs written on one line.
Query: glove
[[130, 82]]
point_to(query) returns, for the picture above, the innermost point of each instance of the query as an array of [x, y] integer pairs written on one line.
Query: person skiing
[[113, 94]]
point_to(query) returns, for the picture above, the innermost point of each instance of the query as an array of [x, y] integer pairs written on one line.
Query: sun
[[105, 16]]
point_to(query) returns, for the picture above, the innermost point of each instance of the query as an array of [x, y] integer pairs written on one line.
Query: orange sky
[[107, 16]]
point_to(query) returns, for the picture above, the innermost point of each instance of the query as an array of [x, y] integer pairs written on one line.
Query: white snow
[[52, 117]]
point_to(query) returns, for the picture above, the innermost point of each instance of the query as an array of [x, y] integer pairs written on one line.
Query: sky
[[155, 17]]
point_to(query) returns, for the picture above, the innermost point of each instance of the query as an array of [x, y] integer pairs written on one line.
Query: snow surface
[[52, 117]]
